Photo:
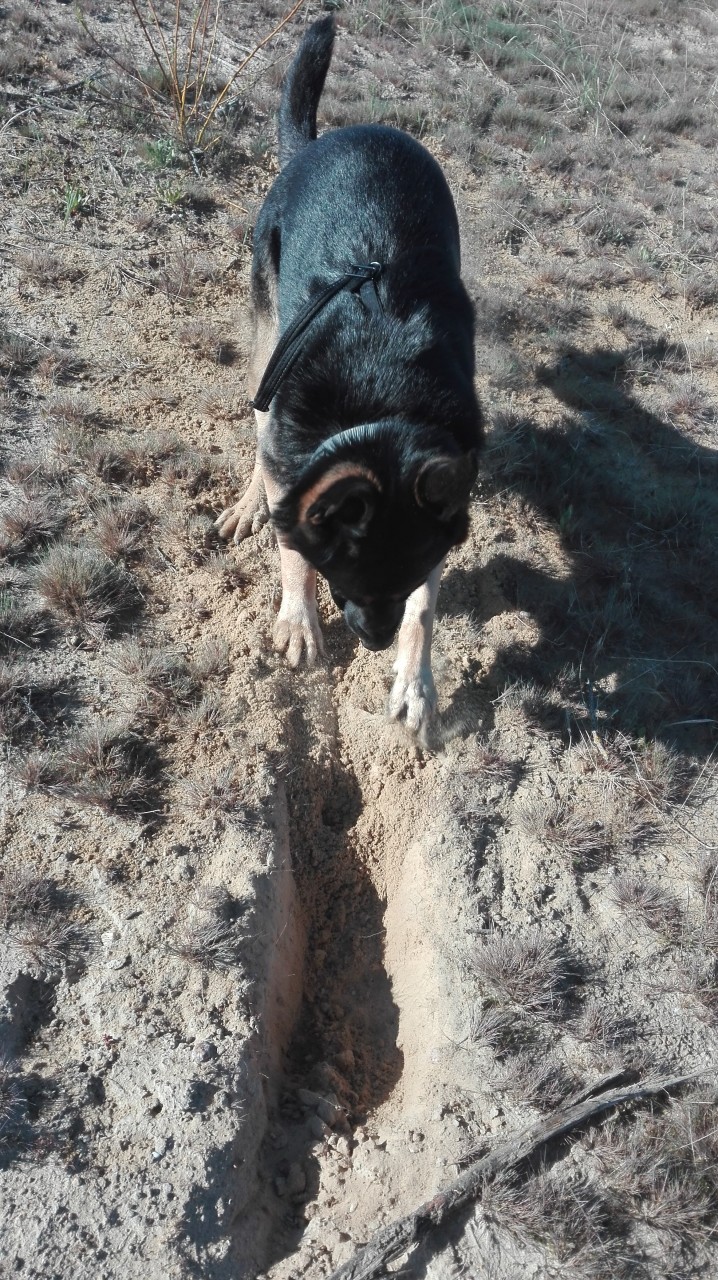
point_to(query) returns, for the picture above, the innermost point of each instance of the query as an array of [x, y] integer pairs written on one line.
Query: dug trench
[[358, 1082]]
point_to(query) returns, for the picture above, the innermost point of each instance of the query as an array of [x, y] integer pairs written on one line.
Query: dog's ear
[[444, 484], [345, 497]]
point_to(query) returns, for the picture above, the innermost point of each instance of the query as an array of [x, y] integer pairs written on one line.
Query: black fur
[[302, 90], [401, 384]]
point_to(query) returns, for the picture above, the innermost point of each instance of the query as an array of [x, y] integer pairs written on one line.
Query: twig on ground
[[400, 1236]]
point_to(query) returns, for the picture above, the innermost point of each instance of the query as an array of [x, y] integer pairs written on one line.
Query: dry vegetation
[[141, 707]]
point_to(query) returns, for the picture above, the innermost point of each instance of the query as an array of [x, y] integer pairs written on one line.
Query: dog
[[362, 378]]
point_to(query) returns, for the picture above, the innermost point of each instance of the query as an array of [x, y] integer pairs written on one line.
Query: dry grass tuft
[[21, 625], [207, 715], [585, 842], [220, 795], [27, 520], [106, 765], [580, 1223], [34, 770], [24, 893], [701, 291], [231, 575], [216, 937], [57, 366], [33, 911], [527, 1078], [705, 877], [12, 1106], [164, 680], [49, 944], [210, 944], [14, 709], [184, 272], [206, 341], [663, 1165], [160, 677], [673, 1201], [211, 660], [599, 1029], [39, 266], [526, 970], [606, 761], [18, 354], [699, 981], [70, 410], [662, 777], [86, 591], [491, 1028], [655, 906], [120, 528], [526, 701], [490, 764]]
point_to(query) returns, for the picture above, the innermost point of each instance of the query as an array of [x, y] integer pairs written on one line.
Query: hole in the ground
[[30, 1002], [344, 1050]]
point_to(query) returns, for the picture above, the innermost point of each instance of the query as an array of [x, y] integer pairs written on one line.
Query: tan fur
[[264, 340], [414, 691], [251, 511], [296, 631]]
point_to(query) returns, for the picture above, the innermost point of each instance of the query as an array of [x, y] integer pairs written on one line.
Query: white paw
[[297, 632], [247, 516], [414, 695]]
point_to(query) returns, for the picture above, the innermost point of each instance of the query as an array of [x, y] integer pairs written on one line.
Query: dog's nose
[[339, 600], [375, 627], [375, 642]]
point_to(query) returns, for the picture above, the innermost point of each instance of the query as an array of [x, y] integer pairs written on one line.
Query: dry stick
[[148, 37], [204, 63], [398, 1237], [221, 96], [175, 40]]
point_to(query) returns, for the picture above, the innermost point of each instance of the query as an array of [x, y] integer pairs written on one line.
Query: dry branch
[[398, 1237]]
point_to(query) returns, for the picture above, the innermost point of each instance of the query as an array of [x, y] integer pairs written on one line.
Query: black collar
[[360, 280]]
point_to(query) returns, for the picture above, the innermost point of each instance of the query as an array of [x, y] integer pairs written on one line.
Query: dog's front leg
[[297, 630], [250, 513], [414, 691]]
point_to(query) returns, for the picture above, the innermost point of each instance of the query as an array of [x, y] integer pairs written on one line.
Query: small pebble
[[296, 1180], [308, 1098], [318, 1128], [204, 1051], [328, 1112]]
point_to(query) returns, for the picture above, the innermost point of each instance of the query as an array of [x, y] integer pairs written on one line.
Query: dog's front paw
[[297, 633], [247, 516], [414, 695]]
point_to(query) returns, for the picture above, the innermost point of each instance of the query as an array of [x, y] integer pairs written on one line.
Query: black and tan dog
[[362, 375]]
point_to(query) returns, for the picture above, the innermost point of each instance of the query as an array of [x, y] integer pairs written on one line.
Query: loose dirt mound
[[271, 968]]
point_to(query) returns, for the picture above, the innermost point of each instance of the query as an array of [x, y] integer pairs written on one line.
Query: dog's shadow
[[635, 502]]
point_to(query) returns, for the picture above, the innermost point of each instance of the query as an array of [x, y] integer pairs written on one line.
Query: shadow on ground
[[636, 502]]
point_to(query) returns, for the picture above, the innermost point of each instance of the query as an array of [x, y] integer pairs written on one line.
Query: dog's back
[[364, 193], [357, 194]]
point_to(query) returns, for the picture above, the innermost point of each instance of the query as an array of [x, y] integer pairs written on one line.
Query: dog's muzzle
[[376, 625]]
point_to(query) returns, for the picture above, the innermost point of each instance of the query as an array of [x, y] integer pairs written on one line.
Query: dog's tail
[[303, 89]]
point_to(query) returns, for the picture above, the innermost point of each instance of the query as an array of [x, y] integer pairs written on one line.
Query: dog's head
[[376, 531]]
